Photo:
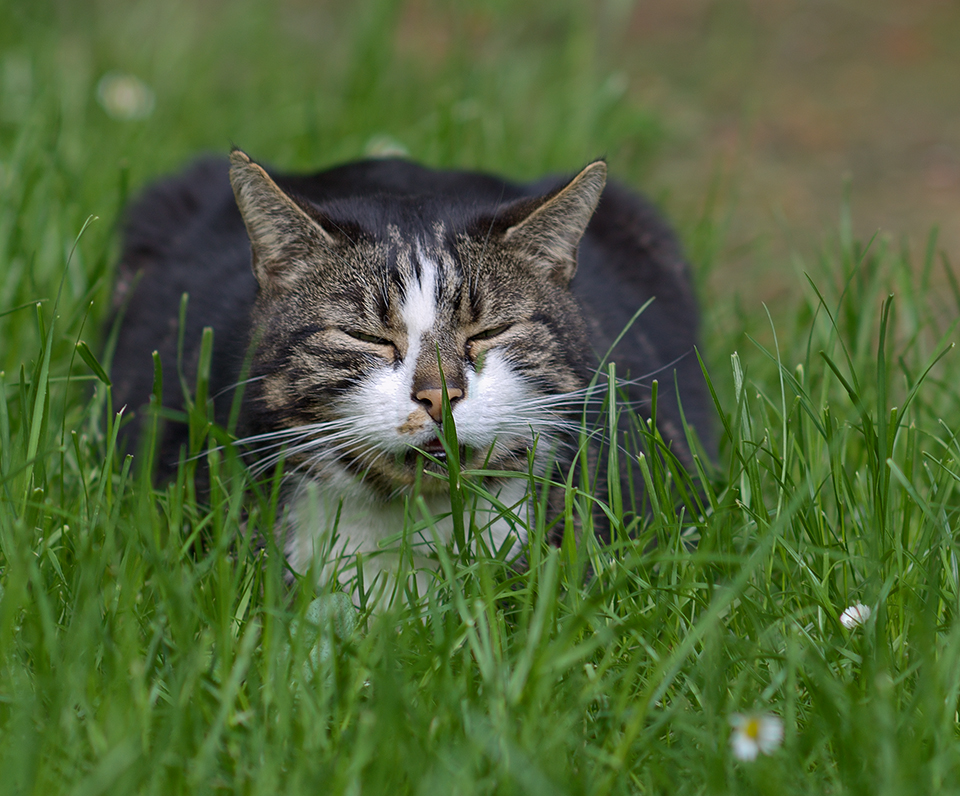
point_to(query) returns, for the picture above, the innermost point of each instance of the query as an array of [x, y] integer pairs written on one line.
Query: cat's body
[[368, 281]]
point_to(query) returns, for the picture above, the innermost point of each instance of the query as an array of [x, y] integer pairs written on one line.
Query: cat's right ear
[[284, 240]]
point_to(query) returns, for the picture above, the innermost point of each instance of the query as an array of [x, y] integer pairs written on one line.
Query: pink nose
[[432, 400]]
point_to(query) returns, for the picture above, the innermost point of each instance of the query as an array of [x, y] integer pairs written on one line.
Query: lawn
[[147, 647]]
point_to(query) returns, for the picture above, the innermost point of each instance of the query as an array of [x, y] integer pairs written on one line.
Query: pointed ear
[[283, 238], [551, 231]]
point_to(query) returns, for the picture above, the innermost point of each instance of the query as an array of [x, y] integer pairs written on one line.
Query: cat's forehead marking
[[419, 310]]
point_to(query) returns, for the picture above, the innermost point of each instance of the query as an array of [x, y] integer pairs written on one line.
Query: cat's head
[[364, 303]]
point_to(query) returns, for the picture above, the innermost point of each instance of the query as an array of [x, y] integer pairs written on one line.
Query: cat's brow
[[493, 220]]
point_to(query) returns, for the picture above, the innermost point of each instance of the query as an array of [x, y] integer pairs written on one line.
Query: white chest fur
[[334, 532]]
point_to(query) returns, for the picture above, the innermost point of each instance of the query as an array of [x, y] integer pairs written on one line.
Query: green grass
[[145, 648]]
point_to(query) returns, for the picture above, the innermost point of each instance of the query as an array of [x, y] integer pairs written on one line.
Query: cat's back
[[182, 236], [631, 259]]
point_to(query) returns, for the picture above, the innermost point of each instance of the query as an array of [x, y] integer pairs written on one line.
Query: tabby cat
[[344, 303]]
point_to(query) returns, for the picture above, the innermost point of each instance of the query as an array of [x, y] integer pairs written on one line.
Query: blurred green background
[[748, 115]]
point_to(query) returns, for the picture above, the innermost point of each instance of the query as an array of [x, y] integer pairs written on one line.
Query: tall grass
[[147, 647]]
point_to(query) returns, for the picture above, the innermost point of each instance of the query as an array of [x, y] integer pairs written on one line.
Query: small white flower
[[383, 146], [856, 614], [124, 96], [753, 734]]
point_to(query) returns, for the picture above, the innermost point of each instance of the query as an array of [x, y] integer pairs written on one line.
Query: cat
[[358, 304]]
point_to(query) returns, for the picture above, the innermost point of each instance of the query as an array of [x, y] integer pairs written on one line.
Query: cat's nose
[[432, 400]]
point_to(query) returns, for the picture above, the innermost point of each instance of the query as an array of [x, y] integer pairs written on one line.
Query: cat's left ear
[[551, 231], [284, 240]]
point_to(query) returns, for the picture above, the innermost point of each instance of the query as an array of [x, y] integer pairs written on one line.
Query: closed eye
[[489, 334], [367, 338]]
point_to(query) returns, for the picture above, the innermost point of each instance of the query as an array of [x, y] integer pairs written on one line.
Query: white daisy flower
[[124, 96], [857, 614], [753, 734]]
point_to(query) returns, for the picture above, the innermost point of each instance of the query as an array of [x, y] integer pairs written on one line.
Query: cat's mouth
[[434, 448]]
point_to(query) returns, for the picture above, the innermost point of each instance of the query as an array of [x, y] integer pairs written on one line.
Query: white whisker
[[241, 383]]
